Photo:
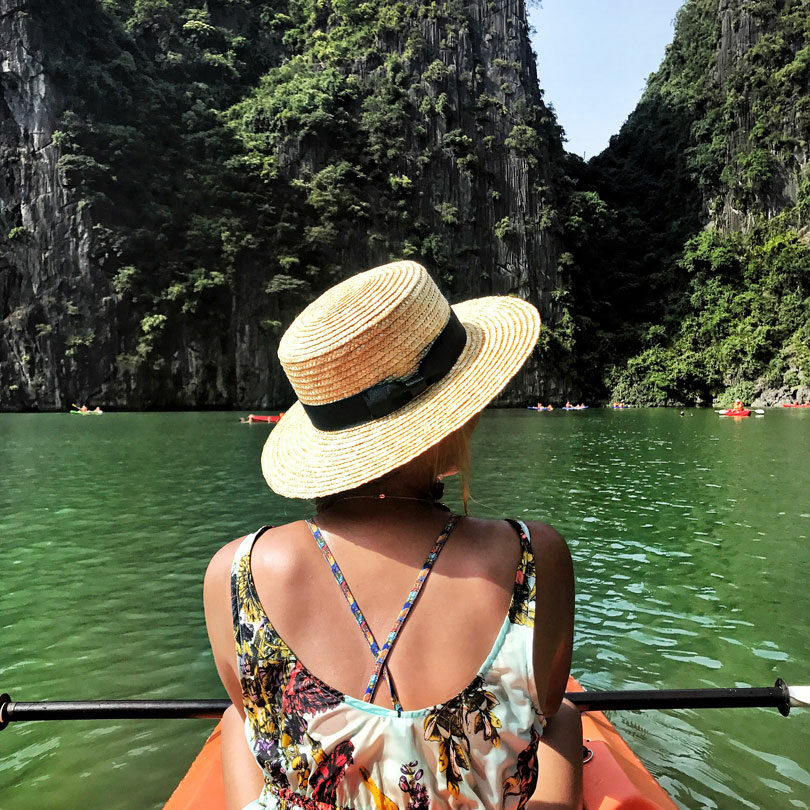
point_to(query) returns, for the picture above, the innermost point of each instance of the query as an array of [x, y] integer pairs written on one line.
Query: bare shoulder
[[487, 528], [219, 569], [278, 549], [270, 552], [491, 537], [545, 534], [549, 546], [547, 542]]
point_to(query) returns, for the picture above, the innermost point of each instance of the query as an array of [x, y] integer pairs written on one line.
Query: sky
[[593, 60]]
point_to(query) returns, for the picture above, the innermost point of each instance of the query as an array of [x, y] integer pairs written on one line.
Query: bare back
[[451, 628]]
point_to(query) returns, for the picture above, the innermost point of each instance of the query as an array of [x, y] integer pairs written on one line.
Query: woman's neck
[[385, 495]]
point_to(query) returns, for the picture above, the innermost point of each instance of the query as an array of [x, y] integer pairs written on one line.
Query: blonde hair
[[450, 456]]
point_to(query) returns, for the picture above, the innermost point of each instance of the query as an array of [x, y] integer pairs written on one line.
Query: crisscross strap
[[381, 653], [406, 608]]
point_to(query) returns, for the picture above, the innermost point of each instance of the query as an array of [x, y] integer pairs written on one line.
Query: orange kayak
[[613, 778], [258, 418]]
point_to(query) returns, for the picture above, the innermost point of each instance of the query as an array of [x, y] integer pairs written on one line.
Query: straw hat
[[383, 369]]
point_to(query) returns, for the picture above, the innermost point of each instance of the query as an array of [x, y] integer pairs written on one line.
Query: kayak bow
[[613, 777]]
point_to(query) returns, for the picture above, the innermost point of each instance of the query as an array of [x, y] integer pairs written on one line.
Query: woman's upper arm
[[554, 617], [244, 780], [219, 620]]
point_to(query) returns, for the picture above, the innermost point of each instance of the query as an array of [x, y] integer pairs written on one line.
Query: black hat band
[[388, 396]]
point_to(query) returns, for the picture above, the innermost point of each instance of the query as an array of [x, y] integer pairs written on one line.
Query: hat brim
[[300, 461]]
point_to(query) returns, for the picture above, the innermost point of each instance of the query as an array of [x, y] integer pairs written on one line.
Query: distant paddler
[[84, 410]]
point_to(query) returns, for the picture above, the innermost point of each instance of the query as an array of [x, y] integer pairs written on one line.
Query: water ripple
[[685, 567]]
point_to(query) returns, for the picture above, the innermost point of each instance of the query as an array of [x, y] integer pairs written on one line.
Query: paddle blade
[[800, 697]]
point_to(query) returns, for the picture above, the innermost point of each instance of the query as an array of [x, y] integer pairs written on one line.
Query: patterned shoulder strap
[[242, 586], [521, 611], [385, 650]]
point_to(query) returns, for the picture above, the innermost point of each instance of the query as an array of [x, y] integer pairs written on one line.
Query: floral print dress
[[320, 749]]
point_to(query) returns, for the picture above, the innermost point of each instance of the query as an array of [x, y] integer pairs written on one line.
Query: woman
[[461, 705]]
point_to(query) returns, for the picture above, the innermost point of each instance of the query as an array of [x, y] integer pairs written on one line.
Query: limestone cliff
[[761, 73], [48, 281], [692, 274], [160, 226]]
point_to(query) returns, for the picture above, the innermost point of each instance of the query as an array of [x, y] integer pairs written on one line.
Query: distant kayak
[[88, 413], [732, 412], [258, 418], [795, 405], [575, 408], [543, 408]]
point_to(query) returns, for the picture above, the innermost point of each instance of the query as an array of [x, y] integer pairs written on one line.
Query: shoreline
[[109, 409]]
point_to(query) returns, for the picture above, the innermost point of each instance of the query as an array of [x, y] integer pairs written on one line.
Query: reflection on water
[[689, 537]]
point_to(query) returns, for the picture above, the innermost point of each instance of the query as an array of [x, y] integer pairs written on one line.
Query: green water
[[689, 535]]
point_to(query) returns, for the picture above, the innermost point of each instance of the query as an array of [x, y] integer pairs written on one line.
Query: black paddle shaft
[[109, 709], [777, 695], [749, 697]]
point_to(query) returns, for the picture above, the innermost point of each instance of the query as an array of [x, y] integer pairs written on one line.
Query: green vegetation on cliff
[[231, 158], [691, 266], [742, 326], [240, 149], [143, 146]]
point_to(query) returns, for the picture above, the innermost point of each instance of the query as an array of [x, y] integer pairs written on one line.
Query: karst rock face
[[710, 183], [720, 136], [755, 40], [69, 334], [46, 238]]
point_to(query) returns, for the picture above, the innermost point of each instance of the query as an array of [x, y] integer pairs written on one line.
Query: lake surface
[[690, 543]]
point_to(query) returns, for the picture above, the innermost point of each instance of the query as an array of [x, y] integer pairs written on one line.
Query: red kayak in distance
[[795, 405], [258, 418], [732, 412]]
